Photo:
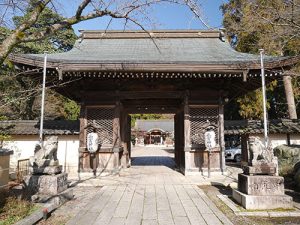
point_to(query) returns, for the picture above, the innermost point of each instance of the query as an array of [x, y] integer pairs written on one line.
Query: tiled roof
[[32, 127], [68, 127], [199, 47], [283, 126], [146, 125]]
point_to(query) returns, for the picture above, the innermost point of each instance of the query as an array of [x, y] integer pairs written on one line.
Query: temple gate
[[190, 74]]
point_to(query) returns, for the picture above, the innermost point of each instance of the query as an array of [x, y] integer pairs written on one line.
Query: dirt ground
[[213, 191]]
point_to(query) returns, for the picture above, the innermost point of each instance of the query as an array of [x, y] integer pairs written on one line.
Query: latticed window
[[200, 118], [102, 119]]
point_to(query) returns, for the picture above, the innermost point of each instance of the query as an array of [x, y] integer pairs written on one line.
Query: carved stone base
[[45, 170], [262, 202], [261, 185], [263, 169], [47, 184], [261, 192]]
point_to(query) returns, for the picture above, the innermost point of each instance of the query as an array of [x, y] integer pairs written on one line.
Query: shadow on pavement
[[153, 161]]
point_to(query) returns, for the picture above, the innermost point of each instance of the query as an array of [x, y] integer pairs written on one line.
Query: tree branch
[[16, 37]]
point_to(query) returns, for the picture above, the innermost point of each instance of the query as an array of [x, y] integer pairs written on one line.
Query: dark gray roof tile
[[198, 50], [283, 126], [32, 127]]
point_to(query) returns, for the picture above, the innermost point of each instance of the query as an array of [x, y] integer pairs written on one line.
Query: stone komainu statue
[[258, 152], [46, 156]]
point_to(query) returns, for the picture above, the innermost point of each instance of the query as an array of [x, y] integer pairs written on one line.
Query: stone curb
[[36, 216], [47, 208], [238, 212], [213, 207]]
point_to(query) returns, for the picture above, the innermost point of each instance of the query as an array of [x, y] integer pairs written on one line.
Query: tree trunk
[[287, 81]]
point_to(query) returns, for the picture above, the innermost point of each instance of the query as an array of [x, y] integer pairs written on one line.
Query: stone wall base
[[262, 202]]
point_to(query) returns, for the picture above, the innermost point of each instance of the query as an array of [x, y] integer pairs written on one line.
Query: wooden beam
[[157, 110], [151, 94]]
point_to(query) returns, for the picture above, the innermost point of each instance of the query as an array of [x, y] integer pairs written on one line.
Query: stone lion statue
[[258, 152], [46, 155]]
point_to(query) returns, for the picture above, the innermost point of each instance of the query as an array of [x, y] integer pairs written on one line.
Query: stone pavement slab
[[151, 204], [150, 192]]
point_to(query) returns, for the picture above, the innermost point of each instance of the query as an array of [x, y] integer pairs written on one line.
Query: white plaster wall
[[295, 139], [68, 153], [278, 139], [281, 139], [23, 147]]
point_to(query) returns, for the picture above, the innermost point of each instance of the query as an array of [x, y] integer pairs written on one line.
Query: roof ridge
[[132, 34]]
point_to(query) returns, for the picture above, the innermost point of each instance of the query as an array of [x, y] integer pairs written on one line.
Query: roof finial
[[222, 34]]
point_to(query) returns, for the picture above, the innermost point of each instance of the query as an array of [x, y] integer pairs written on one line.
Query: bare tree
[[128, 10]]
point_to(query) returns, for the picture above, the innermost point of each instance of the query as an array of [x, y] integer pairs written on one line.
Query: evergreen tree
[[274, 26], [20, 95]]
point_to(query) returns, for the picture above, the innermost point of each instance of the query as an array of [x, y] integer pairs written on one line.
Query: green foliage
[[18, 93], [251, 104], [275, 27], [71, 110], [135, 117], [4, 132], [272, 25], [60, 41], [248, 109]]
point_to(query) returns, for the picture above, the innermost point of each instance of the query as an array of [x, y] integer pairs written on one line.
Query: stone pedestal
[[47, 184], [261, 169], [50, 170], [261, 192], [43, 187]]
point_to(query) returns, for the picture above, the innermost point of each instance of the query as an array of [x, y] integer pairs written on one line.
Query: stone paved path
[[150, 192]]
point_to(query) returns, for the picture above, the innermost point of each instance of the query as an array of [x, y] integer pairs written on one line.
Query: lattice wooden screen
[[199, 118], [103, 119]]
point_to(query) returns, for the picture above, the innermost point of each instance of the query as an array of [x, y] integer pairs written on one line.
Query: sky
[[165, 16]]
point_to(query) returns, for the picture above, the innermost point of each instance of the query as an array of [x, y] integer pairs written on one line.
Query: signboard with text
[[210, 139]]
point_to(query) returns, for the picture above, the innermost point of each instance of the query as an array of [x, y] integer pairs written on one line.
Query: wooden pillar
[[82, 125], [128, 132], [117, 149], [177, 150], [124, 138], [221, 137], [187, 124], [82, 136], [116, 125], [288, 139], [181, 138], [186, 132], [244, 148]]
